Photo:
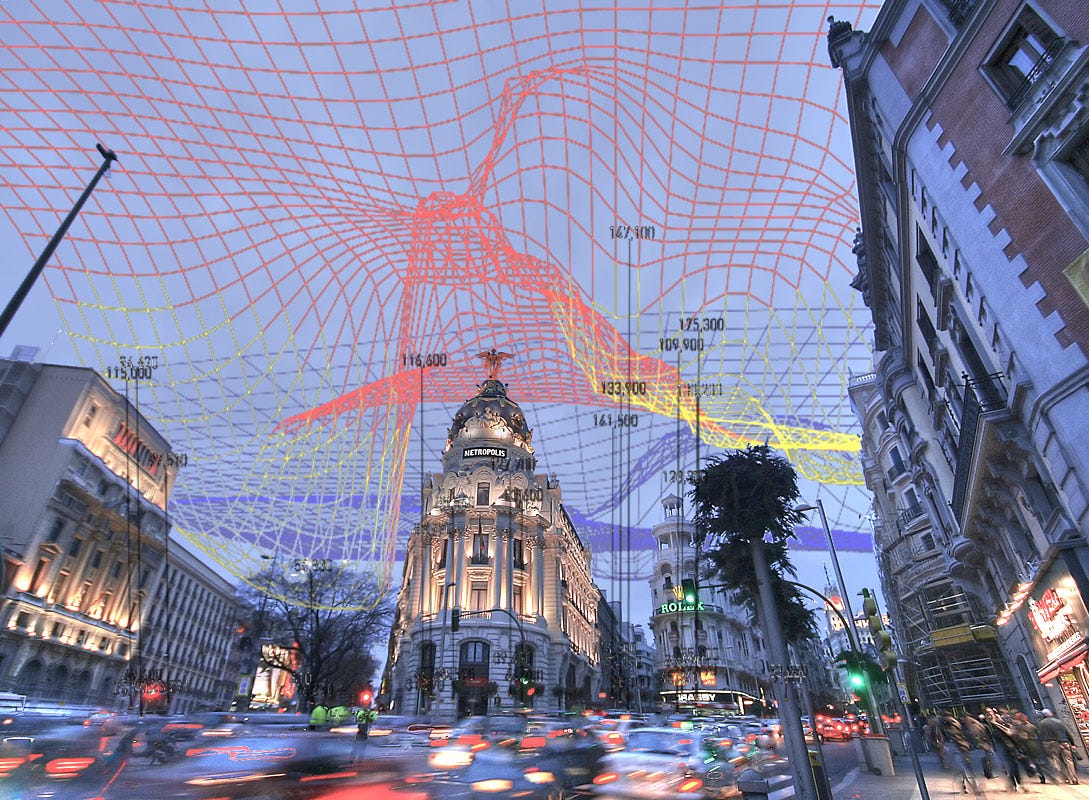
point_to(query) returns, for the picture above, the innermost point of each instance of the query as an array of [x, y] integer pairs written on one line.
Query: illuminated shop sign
[[673, 608], [484, 452], [1051, 617]]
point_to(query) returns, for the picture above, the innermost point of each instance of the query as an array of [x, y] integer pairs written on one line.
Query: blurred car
[[473, 735], [58, 760], [668, 763], [269, 762], [612, 732], [835, 730], [494, 772]]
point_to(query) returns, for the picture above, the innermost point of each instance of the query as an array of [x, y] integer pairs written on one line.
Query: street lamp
[[852, 638]]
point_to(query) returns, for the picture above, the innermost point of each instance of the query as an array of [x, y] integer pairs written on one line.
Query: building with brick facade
[[970, 123]]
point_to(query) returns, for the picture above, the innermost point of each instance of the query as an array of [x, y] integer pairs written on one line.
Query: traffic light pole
[[521, 631]]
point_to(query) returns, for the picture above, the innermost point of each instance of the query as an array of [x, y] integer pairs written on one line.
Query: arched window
[[473, 661], [427, 657], [30, 677]]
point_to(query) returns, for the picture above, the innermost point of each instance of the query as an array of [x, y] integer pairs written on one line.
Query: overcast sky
[[624, 198]]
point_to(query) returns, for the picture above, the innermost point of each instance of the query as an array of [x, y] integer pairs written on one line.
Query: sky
[[322, 212]]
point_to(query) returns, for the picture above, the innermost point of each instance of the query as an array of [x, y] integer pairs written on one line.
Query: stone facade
[[496, 548], [709, 652]]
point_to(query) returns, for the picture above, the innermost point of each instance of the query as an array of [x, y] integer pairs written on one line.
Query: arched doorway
[[57, 682], [30, 678]]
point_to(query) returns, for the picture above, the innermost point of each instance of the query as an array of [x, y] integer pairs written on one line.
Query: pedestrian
[[1058, 746], [318, 717], [955, 734], [364, 718], [1028, 746], [935, 738], [338, 715], [979, 736], [1002, 734]]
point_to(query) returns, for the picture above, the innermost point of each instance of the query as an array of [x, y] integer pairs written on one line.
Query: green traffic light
[[688, 588], [857, 681]]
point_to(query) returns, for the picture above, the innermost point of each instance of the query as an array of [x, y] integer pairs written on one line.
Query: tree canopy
[[745, 495], [319, 625]]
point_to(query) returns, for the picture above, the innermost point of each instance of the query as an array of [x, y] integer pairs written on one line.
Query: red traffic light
[[366, 696]]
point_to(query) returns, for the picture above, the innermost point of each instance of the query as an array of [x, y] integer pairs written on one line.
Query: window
[[96, 559], [475, 653], [39, 574], [480, 548], [483, 493], [73, 548], [55, 531], [897, 462], [518, 601], [91, 411], [1022, 57], [517, 554], [478, 596], [441, 563]]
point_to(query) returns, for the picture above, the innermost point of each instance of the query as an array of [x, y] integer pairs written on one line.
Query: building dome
[[491, 415]]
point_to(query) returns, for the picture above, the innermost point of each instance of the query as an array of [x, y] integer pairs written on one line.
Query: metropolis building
[[970, 123], [497, 557], [709, 653]]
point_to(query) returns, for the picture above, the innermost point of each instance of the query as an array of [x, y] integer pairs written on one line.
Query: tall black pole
[[790, 715], [24, 288]]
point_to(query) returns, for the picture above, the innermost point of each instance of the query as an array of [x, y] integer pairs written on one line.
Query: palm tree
[[745, 496]]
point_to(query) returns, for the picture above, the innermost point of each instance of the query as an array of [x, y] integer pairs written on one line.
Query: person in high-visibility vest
[[364, 718], [338, 715], [318, 717]]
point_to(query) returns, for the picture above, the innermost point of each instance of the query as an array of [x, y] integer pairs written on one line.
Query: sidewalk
[[858, 785]]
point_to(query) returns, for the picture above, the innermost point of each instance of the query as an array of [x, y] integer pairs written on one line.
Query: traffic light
[[455, 619], [688, 590], [882, 639], [858, 680], [366, 697]]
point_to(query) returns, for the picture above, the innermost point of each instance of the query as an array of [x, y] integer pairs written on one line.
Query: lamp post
[[108, 157], [852, 634]]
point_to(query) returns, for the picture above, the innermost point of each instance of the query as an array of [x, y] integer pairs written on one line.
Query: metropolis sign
[[485, 452]]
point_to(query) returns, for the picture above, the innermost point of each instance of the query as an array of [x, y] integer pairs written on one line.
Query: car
[[612, 732], [493, 772], [472, 736], [59, 761], [668, 763], [833, 729]]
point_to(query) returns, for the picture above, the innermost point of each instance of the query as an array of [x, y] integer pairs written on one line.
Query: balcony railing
[[1039, 69], [480, 559], [980, 396]]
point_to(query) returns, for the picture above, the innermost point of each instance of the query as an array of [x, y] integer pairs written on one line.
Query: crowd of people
[[1045, 751]]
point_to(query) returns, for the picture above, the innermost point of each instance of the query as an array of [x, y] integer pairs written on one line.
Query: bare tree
[[318, 624]]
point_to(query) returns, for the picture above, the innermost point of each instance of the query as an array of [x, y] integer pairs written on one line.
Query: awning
[[1063, 661]]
